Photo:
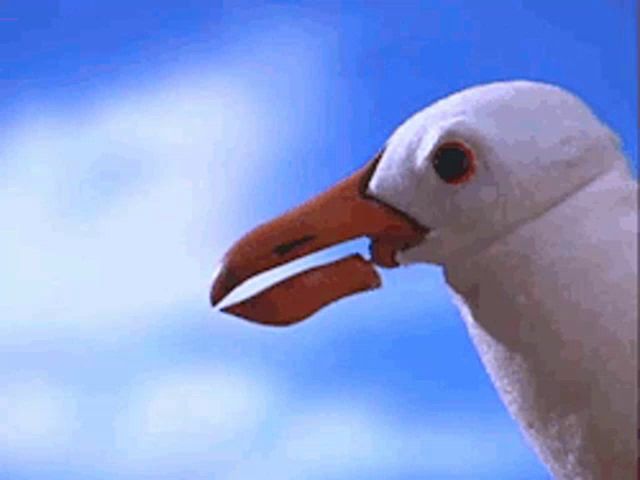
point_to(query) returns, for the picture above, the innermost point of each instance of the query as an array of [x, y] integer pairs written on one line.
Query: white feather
[[540, 251]]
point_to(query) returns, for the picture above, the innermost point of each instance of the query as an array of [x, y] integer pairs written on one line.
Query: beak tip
[[224, 281], [213, 300], [218, 291]]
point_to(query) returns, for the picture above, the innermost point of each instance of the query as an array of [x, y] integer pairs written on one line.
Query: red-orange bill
[[301, 295], [342, 213]]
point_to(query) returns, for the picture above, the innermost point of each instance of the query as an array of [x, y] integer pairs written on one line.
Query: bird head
[[481, 162], [450, 180]]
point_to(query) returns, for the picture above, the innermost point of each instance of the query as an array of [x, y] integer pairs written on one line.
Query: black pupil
[[451, 163]]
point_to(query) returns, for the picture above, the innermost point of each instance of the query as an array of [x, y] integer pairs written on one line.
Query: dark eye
[[453, 162]]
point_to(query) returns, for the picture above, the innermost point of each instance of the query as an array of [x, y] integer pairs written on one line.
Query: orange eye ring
[[454, 162]]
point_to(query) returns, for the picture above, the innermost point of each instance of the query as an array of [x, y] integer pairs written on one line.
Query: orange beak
[[342, 213]]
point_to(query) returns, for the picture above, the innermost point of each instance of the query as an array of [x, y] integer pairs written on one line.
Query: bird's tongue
[[342, 213]]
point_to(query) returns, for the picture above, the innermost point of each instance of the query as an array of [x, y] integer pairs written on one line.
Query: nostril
[[287, 247]]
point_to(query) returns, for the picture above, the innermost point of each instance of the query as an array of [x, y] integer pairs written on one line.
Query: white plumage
[[540, 251]]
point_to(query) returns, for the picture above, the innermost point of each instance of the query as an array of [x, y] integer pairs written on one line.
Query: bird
[[525, 199]]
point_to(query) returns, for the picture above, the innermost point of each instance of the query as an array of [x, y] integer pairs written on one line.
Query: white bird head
[[475, 165], [450, 180]]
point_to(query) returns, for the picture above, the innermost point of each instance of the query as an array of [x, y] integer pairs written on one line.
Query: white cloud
[[351, 437], [191, 419], [38, 420], [119, 209], [232, 423], [139, 248]]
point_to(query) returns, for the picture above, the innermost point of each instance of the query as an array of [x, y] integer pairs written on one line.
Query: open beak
[[342, 213]]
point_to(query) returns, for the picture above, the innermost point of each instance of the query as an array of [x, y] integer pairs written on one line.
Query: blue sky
[[140, 138]]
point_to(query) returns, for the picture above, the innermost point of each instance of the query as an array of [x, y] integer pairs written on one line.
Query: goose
[[525, 199]]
